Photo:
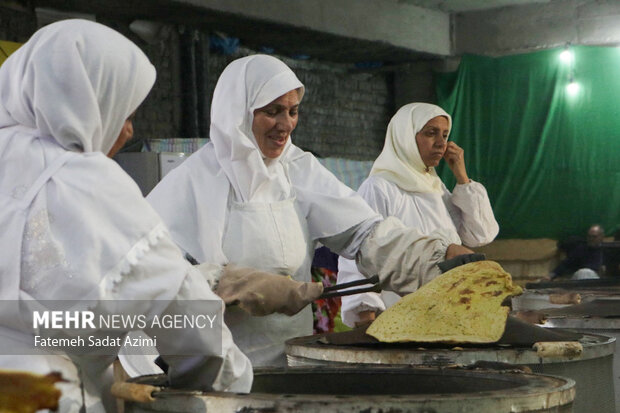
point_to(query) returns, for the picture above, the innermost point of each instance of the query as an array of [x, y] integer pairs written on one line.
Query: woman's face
[[123, 137], [432, 140], [274, 123]]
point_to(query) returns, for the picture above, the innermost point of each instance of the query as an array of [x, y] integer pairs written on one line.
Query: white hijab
[[75, 81], [250, 83], [400, 161], [193, 198], [70, 89]]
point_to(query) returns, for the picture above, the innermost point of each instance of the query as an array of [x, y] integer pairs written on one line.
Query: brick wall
[[159, 114], [16, 24]]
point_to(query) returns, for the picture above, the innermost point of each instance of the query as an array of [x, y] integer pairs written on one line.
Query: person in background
[[75, 227], [403, 184], [252, 197], [583, 260]]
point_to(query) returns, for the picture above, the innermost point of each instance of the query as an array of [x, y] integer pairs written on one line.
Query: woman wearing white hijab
[[75, 226], [403, 183], [252, 197]]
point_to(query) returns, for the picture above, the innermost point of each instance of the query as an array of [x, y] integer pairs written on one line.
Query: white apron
[[270, 237]]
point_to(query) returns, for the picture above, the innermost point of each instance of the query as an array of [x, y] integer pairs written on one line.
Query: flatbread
[[22, 392], [462, 305]]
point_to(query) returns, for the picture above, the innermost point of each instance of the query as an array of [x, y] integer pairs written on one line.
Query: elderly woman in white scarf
[[252, 197], [403, 184], [76, 228]]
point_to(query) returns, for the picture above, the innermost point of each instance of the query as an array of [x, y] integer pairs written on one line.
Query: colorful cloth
[[325, 310]]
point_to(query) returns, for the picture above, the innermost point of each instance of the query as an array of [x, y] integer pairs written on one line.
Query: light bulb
[[572, 88], [566, 56]]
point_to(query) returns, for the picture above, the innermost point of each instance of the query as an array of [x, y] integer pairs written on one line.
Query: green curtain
[[549, 158]]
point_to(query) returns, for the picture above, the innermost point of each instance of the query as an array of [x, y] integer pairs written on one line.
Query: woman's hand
[[366, 317], [455, 157], [455, 250]]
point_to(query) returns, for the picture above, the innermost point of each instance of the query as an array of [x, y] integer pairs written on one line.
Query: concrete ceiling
[[453, 6], [321, 38], [254, 31]]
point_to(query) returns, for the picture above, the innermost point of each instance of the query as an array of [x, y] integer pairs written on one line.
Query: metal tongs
[[333, 290]]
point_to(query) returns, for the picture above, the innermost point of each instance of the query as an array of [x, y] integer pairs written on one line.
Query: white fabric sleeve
[[228, 370], [403, 258], [472, 214], [352, 305], [348, 243], [375, 195]]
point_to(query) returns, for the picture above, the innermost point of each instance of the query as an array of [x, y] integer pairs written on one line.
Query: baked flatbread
[[22, 392], [462, 305]]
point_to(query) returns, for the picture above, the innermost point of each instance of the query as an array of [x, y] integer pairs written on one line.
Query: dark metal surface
[[592, 370], [597, 308], [313, 350], [576, 284], [518, 334], [388, 381], [380, 389], [598, 313]]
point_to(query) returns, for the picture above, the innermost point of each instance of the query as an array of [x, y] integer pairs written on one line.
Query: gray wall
[[344, 114], [539, 26], [394, 22]]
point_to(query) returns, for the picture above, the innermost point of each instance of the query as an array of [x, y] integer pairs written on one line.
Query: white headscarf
[[250, 83], [70, 89], [400, 161], [193, 198], [76, 81]]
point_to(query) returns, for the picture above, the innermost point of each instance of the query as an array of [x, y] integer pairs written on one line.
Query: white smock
[[465, 216], [227, 203], [270, 226], [75, 226]]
